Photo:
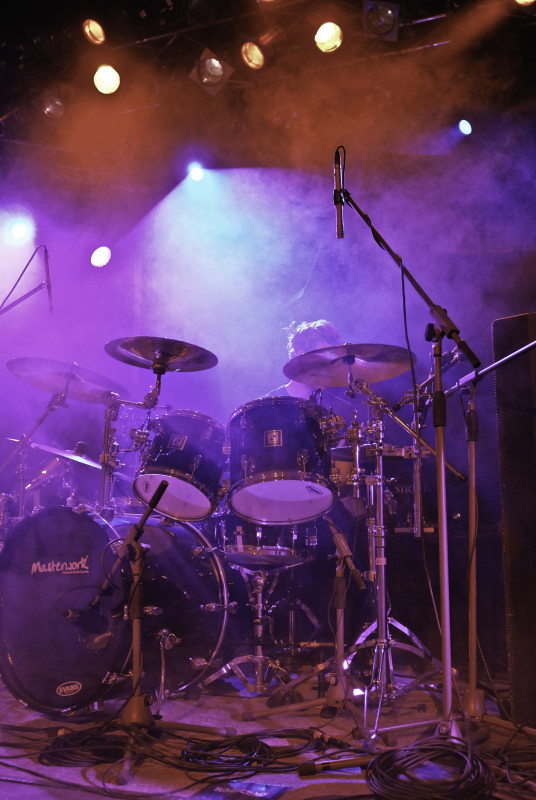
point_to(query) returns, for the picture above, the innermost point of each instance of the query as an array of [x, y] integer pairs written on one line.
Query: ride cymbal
[[58, 376], [329, 366], [160, 355]]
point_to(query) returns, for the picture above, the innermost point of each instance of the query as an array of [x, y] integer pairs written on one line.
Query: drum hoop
[[222, 586], [218, 571], [254, 480], [280, 400], [282, 475], [192, 415]]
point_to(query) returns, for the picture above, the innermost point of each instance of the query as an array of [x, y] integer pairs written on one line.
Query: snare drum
[[254, 546], [186, 450], [279, 463]]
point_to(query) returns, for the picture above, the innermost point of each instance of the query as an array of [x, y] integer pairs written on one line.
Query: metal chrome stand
[[265, 669], [382, 686]]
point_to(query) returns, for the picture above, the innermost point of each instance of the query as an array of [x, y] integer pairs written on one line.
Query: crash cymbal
[[58, 376], [368, 362], [160, 355]]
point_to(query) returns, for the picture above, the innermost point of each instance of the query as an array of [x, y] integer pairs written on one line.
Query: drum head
[[183, 499], [281, 499], [54, 653]]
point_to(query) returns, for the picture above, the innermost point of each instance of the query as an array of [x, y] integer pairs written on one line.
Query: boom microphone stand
[[443, 326]]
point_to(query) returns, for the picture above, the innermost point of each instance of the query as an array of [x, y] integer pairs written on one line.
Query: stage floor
[[248, 742]]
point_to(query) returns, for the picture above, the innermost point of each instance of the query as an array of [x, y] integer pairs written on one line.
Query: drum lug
[[301, 461]]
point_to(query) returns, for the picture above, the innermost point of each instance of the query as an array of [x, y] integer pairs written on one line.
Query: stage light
[[101, 256], [210, 72], [380, 20], [51, 104], [93, 31], [325, 26], [328, 37], [263, 48], [465, 127], [195, 171], [18, 227], [106, 79]]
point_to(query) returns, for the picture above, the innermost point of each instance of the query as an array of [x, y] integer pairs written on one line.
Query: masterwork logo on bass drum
[[68, 688], [79, 567]]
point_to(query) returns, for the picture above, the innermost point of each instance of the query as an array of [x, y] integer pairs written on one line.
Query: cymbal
[[160, 355], [368, 362], [70, 377], [69, 454]]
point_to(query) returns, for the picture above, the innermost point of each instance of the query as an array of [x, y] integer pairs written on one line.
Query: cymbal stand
[[110, 446], [56, 401], [382, 681]]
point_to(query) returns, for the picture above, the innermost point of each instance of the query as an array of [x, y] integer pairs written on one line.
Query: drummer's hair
[[303, 336]]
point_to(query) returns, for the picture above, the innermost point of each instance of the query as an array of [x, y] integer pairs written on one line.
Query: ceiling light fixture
[[210, 72]]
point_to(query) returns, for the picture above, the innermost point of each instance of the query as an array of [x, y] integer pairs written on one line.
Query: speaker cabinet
[[515, 393]]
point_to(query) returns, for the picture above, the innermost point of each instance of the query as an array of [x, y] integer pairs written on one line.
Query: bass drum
[[56, 655]]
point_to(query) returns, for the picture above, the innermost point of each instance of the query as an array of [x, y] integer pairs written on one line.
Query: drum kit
[[254, 489]]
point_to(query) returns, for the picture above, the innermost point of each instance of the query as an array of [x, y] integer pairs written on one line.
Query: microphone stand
[[136, 712], [443, 326], [44, 285], [473, 700]]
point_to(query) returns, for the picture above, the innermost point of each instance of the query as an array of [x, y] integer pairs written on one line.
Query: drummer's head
[[307, 336]]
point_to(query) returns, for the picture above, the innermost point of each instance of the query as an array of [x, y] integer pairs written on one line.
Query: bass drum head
[[185, 599], [52, 564]]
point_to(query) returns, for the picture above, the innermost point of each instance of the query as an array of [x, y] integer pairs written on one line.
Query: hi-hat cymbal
[[160, 355], [329, 365], [57, 377], [71, 455]]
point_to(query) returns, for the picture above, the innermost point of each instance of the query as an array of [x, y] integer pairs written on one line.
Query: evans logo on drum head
[[69, 688]]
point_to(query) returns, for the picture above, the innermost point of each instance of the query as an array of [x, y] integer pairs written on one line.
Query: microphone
[[337, 194], [89, 619], [314, 767], [48, 284]]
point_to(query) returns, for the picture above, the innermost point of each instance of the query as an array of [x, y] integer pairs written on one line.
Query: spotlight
[[93, 31], [326, 26], [210, 72], [106, 79], [380, 20], [263, 48], [17, 226], [524, 6], [195, 171], [328, 37], [465, 127], [101, 256], [51, 104]]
